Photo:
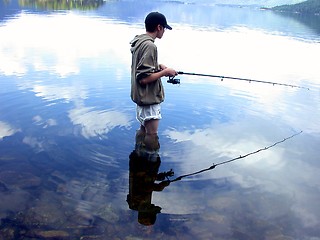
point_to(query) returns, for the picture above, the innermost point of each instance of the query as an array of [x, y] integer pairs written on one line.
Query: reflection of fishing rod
[[174, 80], [234, 159]]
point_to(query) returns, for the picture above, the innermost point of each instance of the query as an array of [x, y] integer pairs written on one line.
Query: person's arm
[[166, 72]]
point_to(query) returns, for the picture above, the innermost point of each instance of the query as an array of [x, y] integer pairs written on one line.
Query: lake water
[[67, 124]]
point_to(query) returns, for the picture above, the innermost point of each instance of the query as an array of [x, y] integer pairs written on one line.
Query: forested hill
[[309, 7]]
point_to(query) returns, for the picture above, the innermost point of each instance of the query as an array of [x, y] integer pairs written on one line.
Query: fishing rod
[[233, 159], [174, 80]]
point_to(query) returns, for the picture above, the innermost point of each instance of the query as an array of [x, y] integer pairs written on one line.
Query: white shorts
[[146, 113]]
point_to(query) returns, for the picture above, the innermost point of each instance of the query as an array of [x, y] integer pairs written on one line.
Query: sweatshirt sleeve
[[148, 63]]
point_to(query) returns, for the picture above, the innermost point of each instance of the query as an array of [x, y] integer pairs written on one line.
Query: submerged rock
[[7, 233], [19, 179], [51, 234], [47, 210], [108, 214]]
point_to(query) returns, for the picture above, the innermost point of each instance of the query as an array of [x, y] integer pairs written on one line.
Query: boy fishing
[[146, 86]]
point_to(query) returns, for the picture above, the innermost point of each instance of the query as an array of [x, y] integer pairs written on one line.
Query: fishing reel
[[161, 176], [173, 80]]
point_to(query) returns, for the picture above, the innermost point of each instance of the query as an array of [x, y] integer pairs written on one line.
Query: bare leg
[[151, 126], [142, 129], [151, 139], [140, 135]]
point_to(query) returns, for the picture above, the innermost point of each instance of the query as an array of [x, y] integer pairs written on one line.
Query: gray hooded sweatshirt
[[145, 62]]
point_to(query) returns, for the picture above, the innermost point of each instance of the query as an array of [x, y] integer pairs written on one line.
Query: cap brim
[[168, 27]]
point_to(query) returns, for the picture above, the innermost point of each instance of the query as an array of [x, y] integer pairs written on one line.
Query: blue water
[[67, 124]]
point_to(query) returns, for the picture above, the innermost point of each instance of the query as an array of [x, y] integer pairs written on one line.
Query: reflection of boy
[[143, 174], [143, 177], [146, 86]]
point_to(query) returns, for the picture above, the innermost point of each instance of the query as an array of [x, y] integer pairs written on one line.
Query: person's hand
[[164, 184], [170, 72], [162, 66]]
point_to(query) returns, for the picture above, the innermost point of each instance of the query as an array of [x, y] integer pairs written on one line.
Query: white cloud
[[35, 143], [59, 43], [38, 120], [56, 92], [279, 170], [6, 130], [97, 123]]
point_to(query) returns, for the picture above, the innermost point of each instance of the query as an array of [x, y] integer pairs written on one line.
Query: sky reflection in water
[[66, 87]]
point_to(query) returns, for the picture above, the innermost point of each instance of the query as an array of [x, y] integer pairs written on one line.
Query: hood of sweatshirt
[[138, 40]]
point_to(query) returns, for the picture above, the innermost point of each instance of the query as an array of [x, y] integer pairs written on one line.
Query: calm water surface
[[67, 124]]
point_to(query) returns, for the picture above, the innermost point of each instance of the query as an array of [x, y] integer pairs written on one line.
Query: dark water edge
[[309, 20], [202, 15]]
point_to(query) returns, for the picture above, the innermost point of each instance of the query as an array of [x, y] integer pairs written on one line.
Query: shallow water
[[67, 124]]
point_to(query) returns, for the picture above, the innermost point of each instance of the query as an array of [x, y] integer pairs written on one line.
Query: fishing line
[[174, 80], [234, 159]]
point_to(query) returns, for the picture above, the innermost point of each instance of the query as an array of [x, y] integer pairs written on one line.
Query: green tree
[[307, 7]]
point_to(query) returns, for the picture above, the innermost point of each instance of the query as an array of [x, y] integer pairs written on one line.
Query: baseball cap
[[155, 18]]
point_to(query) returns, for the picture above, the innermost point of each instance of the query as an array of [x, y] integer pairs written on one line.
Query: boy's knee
[[151, 142]]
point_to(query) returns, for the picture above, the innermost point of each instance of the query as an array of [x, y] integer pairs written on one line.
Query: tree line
[[307, 7], [62, 4]]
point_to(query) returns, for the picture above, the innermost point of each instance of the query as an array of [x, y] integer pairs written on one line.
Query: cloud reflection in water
[[95, 123], [65, 40], [278, 171], [59, 45], [6, 130]]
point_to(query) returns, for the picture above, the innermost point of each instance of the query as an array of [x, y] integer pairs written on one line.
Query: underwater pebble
[[56, 234]]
